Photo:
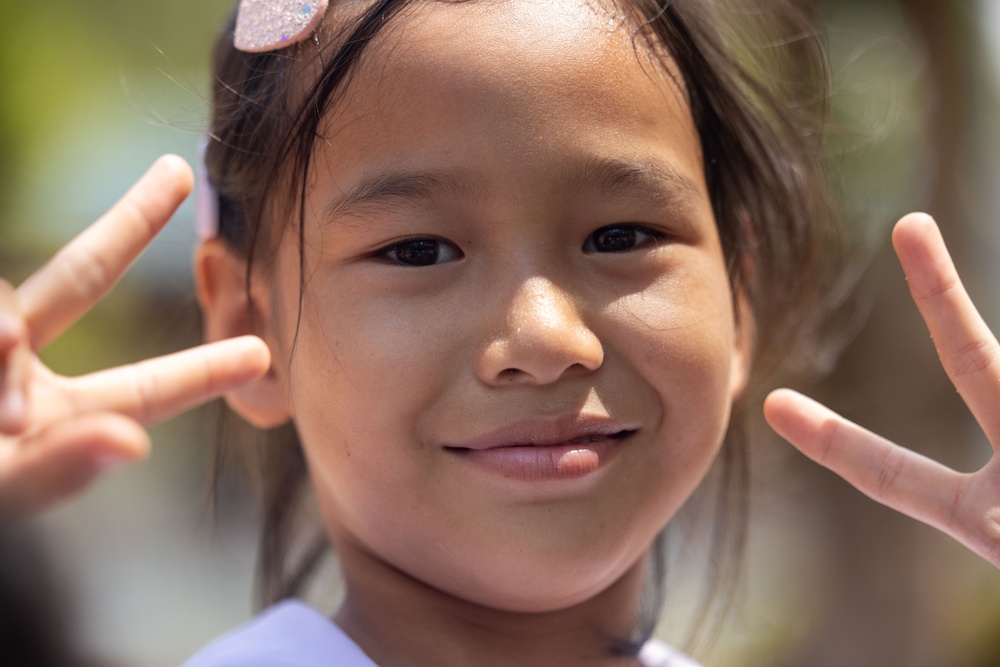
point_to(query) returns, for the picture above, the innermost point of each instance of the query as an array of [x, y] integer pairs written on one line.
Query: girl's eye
[[620, 238], [420, 252]]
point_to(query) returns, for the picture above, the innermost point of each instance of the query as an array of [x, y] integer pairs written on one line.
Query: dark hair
[[756, 85]]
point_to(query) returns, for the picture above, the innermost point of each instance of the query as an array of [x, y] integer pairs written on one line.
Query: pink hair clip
[[266, 25], [206, 199]]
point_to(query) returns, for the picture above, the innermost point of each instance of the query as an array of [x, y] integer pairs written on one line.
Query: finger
[[967, 348], [14, 360], [62, 459], [83, 271], [899, 478], [159, 388]]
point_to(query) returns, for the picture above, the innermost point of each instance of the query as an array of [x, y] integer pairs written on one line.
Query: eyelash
[[391, 253], [637, 236], [634, 236]]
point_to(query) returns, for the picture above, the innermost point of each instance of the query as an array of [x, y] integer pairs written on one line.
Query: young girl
[[505, 267]]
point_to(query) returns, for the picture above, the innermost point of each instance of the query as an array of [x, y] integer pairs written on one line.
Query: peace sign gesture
[[963, 505], [58, 433]]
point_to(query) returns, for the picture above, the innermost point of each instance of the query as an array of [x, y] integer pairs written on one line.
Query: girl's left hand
[[963, 505]]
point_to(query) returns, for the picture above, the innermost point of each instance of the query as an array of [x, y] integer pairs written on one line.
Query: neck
[[401, 622]]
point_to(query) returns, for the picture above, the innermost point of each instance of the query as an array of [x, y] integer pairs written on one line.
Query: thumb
[[64, 458]]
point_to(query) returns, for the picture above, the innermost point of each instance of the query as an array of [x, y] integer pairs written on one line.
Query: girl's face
[[517, 349]]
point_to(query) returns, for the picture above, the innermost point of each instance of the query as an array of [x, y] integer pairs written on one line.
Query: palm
[[57, 433], [963, 505]]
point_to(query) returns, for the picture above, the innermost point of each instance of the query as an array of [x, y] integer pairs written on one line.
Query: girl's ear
[[229, 309], [739, 374]]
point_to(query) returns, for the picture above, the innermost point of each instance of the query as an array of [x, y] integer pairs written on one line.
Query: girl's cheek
[[681, 331], [361, 359], [682, 307]]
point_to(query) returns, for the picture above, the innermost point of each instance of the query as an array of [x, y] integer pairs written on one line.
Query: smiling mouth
[[534, 461]]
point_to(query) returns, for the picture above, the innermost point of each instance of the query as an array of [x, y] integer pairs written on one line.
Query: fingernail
[[106, 462], [12, 407]]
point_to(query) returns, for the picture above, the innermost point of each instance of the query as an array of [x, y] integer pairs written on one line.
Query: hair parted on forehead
[[754, 73]]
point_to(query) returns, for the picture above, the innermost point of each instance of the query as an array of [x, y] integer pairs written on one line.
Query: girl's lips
[[538, 452], [539, 433]]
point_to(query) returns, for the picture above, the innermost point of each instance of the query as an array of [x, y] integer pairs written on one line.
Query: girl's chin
[[547, 592]]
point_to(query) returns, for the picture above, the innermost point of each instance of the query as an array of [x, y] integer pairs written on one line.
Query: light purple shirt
[[292, 634]]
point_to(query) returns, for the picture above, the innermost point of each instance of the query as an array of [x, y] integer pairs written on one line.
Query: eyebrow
[[399, 186], [643, 180]]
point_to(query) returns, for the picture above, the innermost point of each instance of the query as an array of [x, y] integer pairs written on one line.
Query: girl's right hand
[[58, 433]]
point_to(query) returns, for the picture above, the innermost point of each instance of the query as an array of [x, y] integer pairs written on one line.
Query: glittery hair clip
[[206, 199], [266, 25]]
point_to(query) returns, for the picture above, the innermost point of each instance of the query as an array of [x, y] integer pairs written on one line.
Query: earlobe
[[230, 309]]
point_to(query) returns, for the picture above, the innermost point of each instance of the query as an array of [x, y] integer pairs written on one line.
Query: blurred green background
[[91, 93]]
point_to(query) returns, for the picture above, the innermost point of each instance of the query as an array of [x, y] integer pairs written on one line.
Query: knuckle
[[138, 213], [888, 472], [828, 434], [938, 289], [210, 379], [972, 357], [66, 401], [957, 503], [144, 386], [87, 271]]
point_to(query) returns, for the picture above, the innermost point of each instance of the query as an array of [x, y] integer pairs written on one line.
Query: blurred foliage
[[62, 56], [91, 92]]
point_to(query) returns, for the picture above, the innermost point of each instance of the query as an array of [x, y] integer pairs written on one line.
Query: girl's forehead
[[513, 95], [565, 52], [552, 14], [509, 32]]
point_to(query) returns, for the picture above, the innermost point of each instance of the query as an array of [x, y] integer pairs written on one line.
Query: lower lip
[[536, 463]]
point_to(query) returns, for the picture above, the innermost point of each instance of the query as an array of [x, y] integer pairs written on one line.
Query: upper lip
[[546, 432]]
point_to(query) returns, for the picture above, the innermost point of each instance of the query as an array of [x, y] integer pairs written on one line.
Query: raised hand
[[963, 505], [58, 433]]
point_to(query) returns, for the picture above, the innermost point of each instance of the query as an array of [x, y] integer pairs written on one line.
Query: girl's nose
[[542, 339]]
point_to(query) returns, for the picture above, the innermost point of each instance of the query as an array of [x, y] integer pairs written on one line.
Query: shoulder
[[657, 654], [289, 634]]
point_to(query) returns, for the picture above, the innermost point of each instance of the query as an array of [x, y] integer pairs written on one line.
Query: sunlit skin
[[511, 145], [517, 349]]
